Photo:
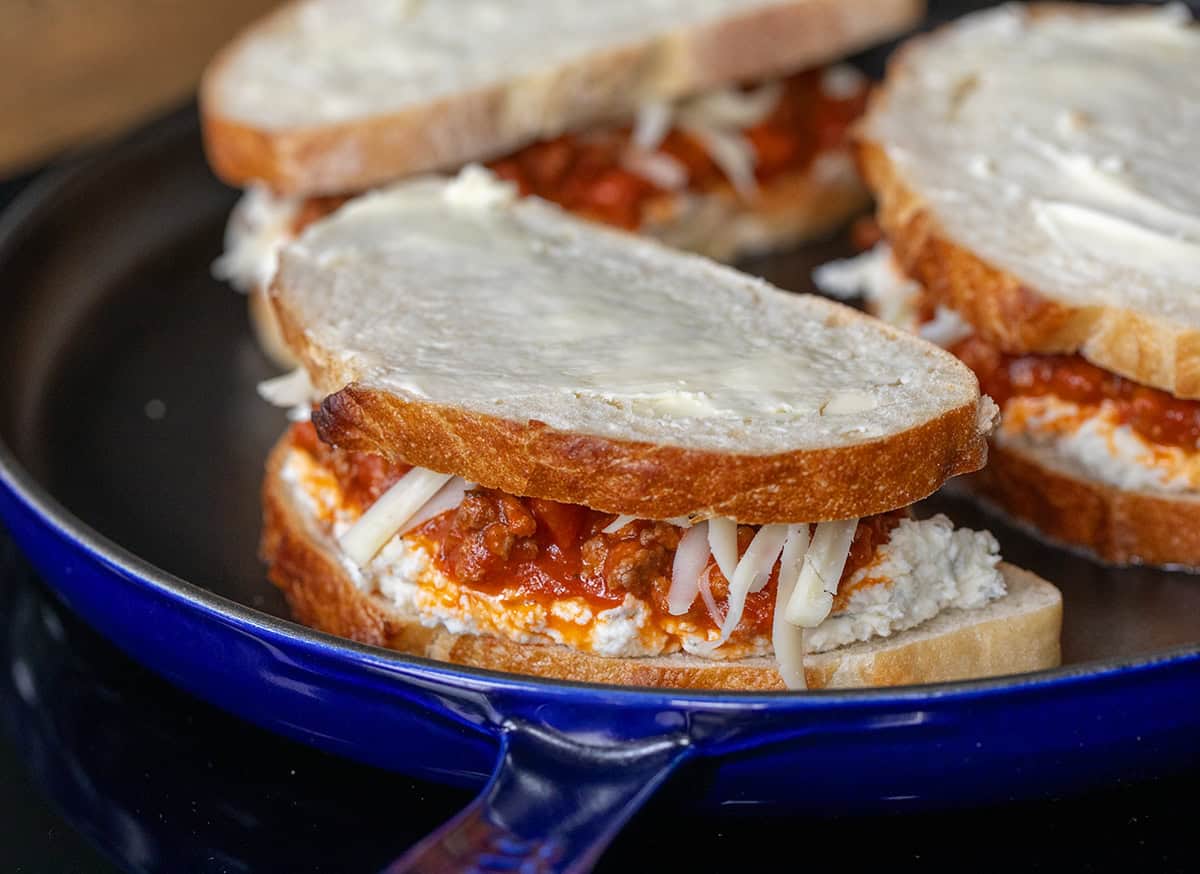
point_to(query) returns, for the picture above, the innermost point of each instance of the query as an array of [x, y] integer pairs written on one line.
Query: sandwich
[[716, 127], [531, 443], [1034, 168]]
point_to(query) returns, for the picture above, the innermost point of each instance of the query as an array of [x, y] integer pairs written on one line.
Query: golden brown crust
[[321, 595], [651, 480], [1119, 527], [1008, 313], [356, 155]]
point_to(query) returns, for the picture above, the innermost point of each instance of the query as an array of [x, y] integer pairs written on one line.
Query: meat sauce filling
[[585, 173], [547, 551], [1156, 415]]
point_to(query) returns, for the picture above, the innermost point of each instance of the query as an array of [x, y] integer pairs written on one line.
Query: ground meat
[[488, 530], [634, 567], [637, 559], [363, 477]]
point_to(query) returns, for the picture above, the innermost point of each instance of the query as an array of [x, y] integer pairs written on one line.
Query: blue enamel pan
[[131, 450]]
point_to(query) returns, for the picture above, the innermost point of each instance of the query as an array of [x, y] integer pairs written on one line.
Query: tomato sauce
[[584, 173], [1156, 415], [362, 476], [546, 551]]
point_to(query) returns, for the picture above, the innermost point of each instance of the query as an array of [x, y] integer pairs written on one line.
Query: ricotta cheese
[[1093, 442], [932, 565]]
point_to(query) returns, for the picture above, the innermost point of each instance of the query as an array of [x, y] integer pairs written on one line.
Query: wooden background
[[73, 71]]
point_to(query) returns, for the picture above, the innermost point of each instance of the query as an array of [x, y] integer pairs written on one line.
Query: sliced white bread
[[1034, 168], [459, 329], [1016, 633], [330, 96]]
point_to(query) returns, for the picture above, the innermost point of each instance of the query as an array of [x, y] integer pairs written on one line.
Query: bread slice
[[327, 97], [1056, 213], [1019, 632], [457, 328], [1034, 487]]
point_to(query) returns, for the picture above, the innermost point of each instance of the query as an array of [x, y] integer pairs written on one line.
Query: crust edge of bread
[[650, 480], [355, 155], [1005, 310], [1010, 636]]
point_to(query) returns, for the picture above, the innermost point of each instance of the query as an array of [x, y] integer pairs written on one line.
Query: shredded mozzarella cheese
[[755, 565], [722, 542], [732, 152], [447, 498], [812, 599], [788, 639], [617, 524], [732, 107], [390, 513], [690, 558], [651, 126], [289, 390], [657, 168]]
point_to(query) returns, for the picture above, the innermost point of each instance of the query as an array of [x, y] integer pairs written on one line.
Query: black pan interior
[[128, 392]]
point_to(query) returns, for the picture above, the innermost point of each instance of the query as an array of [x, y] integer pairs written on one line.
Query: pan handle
[[552, 805]]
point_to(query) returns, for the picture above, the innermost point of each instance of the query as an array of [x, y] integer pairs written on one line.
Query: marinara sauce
[[1156, 415], [584, 173]]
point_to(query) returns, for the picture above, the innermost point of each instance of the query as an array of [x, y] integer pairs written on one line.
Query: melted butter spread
[[454, 293], [1061, 148]]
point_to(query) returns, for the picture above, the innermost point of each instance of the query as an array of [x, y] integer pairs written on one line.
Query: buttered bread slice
[[460, 329]]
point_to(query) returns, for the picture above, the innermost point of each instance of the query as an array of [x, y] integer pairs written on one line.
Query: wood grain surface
[[72, 71]]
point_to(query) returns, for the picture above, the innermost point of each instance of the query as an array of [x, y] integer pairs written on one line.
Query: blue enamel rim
[[16, 222]]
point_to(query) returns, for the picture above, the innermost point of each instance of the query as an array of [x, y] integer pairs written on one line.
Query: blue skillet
[[131, 449]]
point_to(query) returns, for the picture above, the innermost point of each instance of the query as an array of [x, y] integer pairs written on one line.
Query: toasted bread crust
[[649, 480], [352, 156], [322, 596], [1006, 311], [1119, 527]]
